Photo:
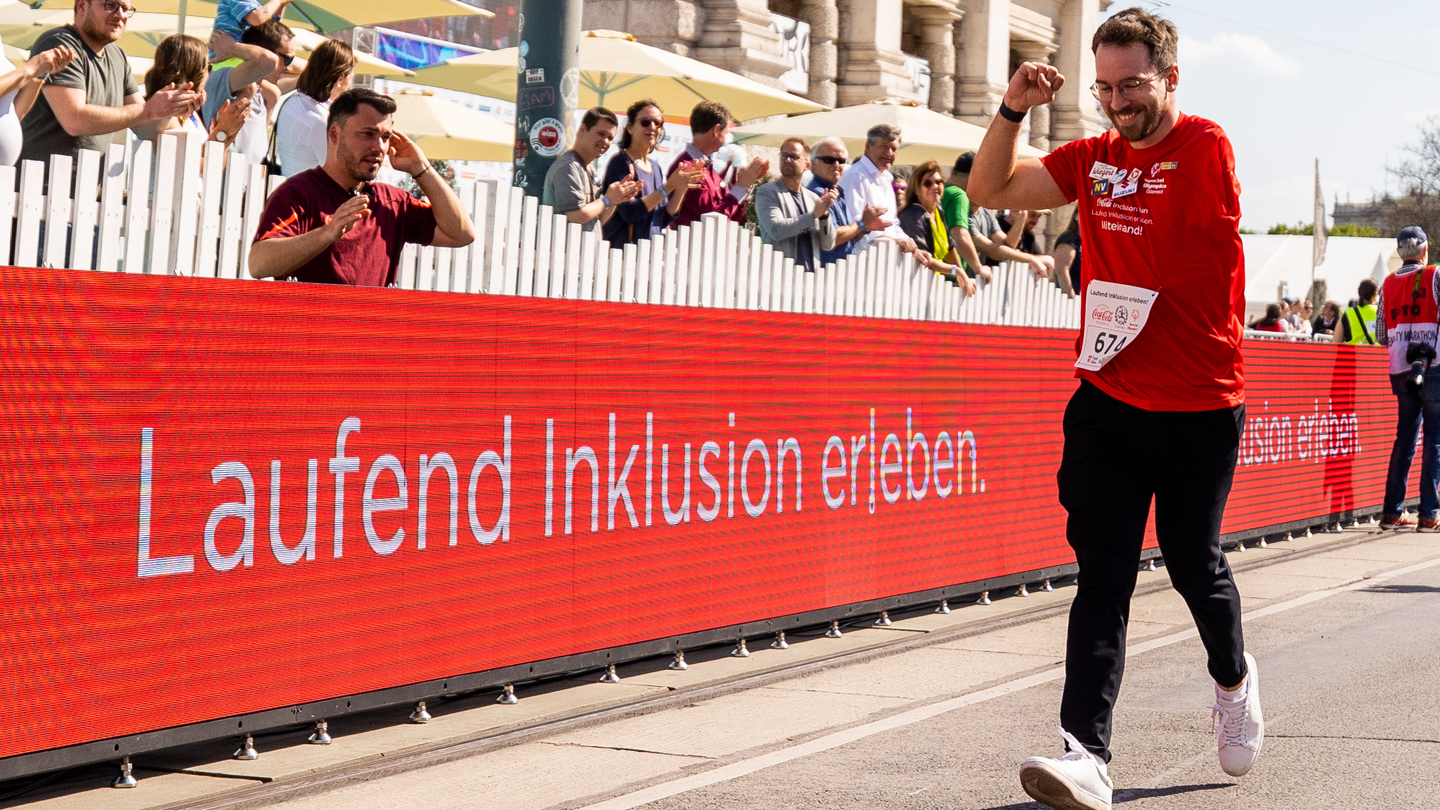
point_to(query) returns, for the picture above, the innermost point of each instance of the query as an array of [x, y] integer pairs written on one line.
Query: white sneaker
[[1077, 781], [1240, 724]]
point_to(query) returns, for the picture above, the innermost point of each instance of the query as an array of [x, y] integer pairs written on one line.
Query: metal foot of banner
[[420, 715], [610, 676], [679, 662], [1046, 586], [944, 606], [1024, 591], [834, 631], [1263, 543], [1240, 547], [1374, 520], [507, 697], [126, 779], [247, 752], [321, 735], [780, 643], [1150, 564], [984, 598], [884, 620], [1307, 532], [740, 651], [1289, 536]]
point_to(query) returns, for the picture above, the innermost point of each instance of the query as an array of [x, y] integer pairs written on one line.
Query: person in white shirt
[[19, 87], [301, 126], [870, 183]]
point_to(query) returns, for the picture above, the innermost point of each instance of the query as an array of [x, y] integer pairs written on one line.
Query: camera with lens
[[1419, 356]]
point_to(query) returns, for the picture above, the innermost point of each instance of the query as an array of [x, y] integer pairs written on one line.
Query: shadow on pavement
[[1128, 795], [1402, 589]]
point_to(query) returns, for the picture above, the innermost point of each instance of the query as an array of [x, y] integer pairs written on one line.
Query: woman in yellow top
[[923, 221]]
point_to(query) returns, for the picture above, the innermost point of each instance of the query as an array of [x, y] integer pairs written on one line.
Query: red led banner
[[208, 485]]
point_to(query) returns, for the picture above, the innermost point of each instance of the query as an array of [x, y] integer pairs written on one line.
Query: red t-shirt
[[369, 254], [1170, 222]]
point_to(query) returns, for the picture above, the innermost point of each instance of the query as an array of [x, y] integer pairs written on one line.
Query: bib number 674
[[1109, 342]]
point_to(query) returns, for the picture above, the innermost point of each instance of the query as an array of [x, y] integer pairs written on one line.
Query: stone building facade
[[955, 56]]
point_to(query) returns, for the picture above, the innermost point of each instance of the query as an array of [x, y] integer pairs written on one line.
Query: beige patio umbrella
[[616, 70], [924, 134], [448, 130], [20, 26], [325, 16]]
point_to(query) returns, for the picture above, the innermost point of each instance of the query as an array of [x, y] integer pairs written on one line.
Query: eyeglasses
[[113, 8], [830, 160], [1130, 88], [933, 183], [650, 123], [796, 158], [289, 60]]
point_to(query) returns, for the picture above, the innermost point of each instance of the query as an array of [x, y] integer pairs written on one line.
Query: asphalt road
[[1350, 687], [1348, 644]]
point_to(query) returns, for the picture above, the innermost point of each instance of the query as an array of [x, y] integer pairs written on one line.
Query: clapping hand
[[173, 102], [623, 190], [231, 117], [52, 61], [746, 176], [871, 217], [1035, 83], [826, 200], [686, 176]]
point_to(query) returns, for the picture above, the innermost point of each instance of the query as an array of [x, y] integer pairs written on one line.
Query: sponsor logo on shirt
[[1102, 171]]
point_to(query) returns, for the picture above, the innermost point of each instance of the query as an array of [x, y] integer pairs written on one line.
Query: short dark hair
[[804, 147], [707, 115], [331, 62], [595, 115], [1138, 26], [270, 35], [1367, 290], [348, 103], [964, 163]]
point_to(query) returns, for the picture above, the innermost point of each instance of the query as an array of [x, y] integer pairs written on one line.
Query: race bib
[[1114, 316]]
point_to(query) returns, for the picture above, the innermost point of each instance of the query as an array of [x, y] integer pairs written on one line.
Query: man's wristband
[[1011, 115], [605, 202], [417, 177]]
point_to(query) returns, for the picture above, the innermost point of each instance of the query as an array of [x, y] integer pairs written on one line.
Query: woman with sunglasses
[[923, 221], [659, 200]]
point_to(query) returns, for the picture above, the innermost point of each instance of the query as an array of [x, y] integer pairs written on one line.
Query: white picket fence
[[200, 223]]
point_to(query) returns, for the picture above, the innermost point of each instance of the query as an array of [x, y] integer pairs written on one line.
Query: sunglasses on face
[[830, 160], [932, 183], [650, 123]]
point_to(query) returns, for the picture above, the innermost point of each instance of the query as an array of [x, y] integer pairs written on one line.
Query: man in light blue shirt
[[827, 164]]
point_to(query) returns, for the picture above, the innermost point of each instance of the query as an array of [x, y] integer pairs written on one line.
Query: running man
[[1160, 415]]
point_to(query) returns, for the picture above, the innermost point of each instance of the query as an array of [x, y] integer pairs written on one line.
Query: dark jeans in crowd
[[1117, 458], [1415, 409]]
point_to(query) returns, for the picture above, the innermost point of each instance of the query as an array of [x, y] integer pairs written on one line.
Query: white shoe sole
[[1054, 790], [1254, 676]]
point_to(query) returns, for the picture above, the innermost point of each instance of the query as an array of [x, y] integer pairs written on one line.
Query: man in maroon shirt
[[709, 124], [1159, 413], [334, 225]]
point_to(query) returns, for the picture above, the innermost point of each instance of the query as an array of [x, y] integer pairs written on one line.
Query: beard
[[101, 30], [1148, 118], [355, 165]]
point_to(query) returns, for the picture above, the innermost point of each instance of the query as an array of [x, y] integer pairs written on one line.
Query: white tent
[[1271, 261]]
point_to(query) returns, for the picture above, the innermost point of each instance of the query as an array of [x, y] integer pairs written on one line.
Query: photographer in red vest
[[1406, 322]]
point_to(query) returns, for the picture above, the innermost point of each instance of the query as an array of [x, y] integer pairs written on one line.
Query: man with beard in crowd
[[333, 225]]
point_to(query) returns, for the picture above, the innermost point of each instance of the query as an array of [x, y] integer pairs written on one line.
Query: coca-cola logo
[[1102, 313]]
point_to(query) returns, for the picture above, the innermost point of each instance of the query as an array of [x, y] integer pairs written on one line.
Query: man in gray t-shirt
[[95, 95], [570, 187]]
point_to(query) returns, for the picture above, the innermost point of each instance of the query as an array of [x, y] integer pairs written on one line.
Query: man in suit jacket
[[793, 218], [710, 122]]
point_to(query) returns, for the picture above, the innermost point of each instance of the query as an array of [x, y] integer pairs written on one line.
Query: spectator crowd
[[247, 89]]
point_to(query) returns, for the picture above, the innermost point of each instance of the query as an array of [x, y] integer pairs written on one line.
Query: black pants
[[1117, 457]]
